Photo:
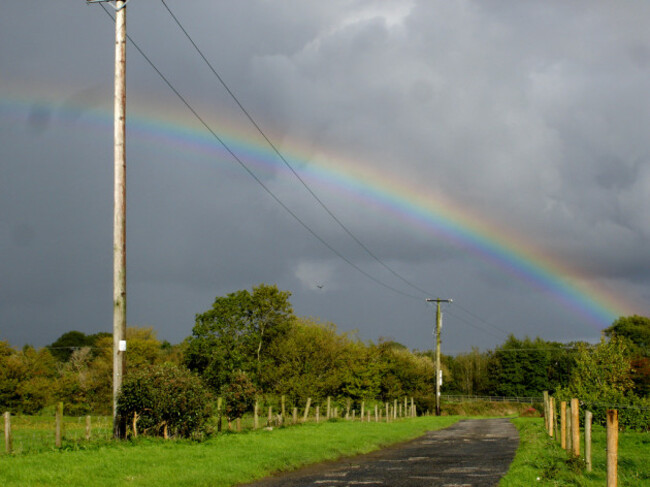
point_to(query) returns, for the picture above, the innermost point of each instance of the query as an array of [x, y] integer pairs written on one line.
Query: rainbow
[[444, 218]]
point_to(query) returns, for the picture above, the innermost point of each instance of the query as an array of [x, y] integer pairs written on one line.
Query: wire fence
[[36, 434], [519, 400]]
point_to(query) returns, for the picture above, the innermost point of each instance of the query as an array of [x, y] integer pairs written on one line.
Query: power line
[[475, 316], [276, 198], [304, 184], [284, 160], [254, 176], [468, 323]]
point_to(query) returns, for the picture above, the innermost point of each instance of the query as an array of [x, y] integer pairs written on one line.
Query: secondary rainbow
[[444, 218]]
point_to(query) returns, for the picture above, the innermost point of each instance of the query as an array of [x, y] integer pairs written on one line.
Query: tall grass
[[223, 460]]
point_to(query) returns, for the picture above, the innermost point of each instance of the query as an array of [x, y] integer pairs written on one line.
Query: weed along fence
[[31, 434], [280, 413], [563, 423]]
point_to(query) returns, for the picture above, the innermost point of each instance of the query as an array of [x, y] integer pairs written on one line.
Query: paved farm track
[[470, 453]]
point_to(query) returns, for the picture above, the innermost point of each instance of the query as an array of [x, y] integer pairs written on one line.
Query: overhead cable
[[254, 176], [284, 160]]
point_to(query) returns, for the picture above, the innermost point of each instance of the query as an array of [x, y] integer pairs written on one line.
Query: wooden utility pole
[[119, 213], [438, 328], [119, 209]]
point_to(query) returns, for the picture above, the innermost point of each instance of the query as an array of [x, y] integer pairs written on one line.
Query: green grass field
[[223, 460], [541, 461], [228, 459]]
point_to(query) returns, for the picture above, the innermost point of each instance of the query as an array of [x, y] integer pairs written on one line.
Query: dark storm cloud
[[532, 115]]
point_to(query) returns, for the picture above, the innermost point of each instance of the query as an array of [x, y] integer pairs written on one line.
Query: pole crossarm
[[116, 7]]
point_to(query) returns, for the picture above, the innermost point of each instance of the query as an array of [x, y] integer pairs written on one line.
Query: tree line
[[252, 341]]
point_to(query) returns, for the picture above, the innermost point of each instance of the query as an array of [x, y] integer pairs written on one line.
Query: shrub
[[239, 396], [164, 399]]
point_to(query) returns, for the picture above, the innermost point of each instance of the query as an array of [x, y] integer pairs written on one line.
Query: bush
[[239, 396], [633, 413], [164, 400]]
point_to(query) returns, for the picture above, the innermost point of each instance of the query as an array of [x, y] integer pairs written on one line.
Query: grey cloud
[[533, 116]]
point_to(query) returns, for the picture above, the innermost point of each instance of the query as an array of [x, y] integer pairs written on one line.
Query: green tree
[[602, 372], [63, 347], [404, 373], [143, 348], [307, 361], [236, 332], [469, 373], [520, 367], [361, 371], [636, 329], [27, 379]]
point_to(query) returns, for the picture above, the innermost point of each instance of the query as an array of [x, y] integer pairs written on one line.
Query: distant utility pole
[[438, 328], [119, 210]]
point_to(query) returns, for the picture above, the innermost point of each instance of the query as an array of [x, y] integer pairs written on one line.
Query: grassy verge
[[224, 460], [541, 461]]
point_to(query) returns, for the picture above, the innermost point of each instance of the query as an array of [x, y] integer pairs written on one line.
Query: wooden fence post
[[575, 427], [363, 410], [328, 407], [569, 434], [546, 410], [59, 424], [283, 412], [588, 420], [612, 448], [306, 415], [270, 418], [317, 414], [294, 415], [555, 421], [563, 424], [256, 419], [387, 415], [376, 414], [395, 409], [88, 429], [8, 438], [220, 421], [412, 408], [551, 415]]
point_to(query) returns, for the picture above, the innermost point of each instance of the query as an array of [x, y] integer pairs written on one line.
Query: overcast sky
[[531, 116]]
